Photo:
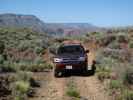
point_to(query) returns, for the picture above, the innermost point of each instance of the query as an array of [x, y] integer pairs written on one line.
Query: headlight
[[56, 60], [82, 58]]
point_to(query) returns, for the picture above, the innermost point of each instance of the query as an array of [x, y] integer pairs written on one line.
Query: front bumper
[[72, 66]]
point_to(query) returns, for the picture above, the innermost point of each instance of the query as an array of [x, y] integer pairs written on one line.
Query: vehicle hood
[[70, 55]]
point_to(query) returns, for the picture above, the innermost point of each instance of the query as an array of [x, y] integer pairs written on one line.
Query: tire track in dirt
[[91, 89], [51, 88], [55, 88]]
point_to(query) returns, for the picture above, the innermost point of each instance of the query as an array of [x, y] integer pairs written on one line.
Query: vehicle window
[[70, 49]]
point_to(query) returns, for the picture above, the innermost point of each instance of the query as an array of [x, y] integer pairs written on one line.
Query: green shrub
[[35, 67], [24, 45], [1, 59], [115, 84], [39, 50], [40, 67], [105, 63], [97, 35], [2, 47], [103, 75], [20, 90], [23, 76], [53, 48], [128, 95], [23, 66], [28, 65], [103, 69], [22, 86], [122, 38], [9, 66], [48, 66], [39, 60], [71, 90], [127, 76], [131, 44], [73, 93], [114, 45]]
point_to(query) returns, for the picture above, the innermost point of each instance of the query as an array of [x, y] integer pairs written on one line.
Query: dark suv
[[71, 57]]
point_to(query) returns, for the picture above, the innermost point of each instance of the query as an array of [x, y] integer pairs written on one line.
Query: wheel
[[90, 72], [57, 73]]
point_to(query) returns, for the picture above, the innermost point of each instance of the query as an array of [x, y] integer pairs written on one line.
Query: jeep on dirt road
[[72, 56]]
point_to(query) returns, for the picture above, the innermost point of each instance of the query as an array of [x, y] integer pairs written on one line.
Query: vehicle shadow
[[76, 73]]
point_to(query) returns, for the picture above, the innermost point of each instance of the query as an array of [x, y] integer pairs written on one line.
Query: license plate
[[68, 67], [89, 67]]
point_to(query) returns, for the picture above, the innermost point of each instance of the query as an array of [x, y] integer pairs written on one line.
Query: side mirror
[[87, 51]]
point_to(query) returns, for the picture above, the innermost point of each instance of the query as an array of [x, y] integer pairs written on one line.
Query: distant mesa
[[31, 21], [17, 20]]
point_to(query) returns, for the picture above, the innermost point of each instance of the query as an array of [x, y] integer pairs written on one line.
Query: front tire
[[57, 73], [90, 72]]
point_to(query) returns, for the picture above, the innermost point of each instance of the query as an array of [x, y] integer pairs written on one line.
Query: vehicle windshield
[[70, 50]]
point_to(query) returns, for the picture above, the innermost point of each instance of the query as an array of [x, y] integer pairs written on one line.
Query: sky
[[107, 13]]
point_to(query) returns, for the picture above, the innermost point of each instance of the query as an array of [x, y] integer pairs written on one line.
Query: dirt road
[[51, 88], [91, 89], [55, 88]]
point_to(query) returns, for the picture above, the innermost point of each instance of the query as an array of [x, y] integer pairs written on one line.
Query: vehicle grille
[[70, 59]]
